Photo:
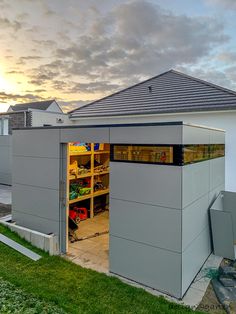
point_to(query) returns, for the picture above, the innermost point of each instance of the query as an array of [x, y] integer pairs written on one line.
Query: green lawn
[[73, 288]]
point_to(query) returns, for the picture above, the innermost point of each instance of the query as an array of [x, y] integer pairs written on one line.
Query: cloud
[[142, 37], [228, 4], [227, 57], [231, 74], [28, 58], [45, 73], [102, 48], [6, 23], [92, 87], [70, 105], [14, 72], [225, 78], [128, 43], [6, 97]]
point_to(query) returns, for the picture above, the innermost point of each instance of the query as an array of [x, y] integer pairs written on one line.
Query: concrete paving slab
[[193, 297], [93, 252]]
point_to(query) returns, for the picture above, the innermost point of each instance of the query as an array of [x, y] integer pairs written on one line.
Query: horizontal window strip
[[161, 154]]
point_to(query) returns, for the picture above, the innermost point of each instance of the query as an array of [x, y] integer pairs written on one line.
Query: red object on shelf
[[80, 212], [73, 214]]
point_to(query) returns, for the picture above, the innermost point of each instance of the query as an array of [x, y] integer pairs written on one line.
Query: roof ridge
[[122, 90], [216, 86], [33, 102]]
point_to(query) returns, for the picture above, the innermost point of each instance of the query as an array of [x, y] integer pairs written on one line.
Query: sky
[[77, 51]]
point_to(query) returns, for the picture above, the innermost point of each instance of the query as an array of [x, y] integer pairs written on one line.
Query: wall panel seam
[[145, 244], [196, 237], [149, 204], [196, 200], [222, 183], [28, 214], [36, 186], [35, 157]]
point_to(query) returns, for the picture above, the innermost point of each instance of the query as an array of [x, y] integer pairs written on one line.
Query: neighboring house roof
[[39, 105], [169, 92]]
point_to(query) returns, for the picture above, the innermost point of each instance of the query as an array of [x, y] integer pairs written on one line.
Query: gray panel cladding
[[195, 181], [39, 224], [5, 140], [217, 172], [149, 184], [36, 143], [153, 267], [40, 202], [217, 137], [5, 165], [147, 135], [5, 178], [6, 159], [146, 224], [195, 218], [39, 172], [196, 135], [194, 257], [88, 135]]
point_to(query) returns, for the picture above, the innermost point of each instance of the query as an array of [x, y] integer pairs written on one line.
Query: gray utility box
[[223, 224]]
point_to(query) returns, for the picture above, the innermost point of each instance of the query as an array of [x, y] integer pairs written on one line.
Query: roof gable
[[169, 92], [38, 105]]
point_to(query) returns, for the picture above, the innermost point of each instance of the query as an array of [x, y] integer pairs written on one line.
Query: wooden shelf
[[91, 174], [80, 153], [102, 192], [87, 196], [81, 176], [80, 198], [101, 152], [100, 173]]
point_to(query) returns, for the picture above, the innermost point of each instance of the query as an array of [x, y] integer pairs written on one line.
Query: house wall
[[5, 159], [19, 120], [40, 118], [54, 107], [223, 120]]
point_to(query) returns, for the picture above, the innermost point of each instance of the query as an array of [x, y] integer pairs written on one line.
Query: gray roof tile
[[40, 105], [169, 92]]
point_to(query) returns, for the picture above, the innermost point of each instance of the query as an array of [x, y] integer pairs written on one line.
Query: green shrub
[[14, 300]]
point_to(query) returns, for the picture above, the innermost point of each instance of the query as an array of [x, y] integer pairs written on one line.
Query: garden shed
[[156, 182]]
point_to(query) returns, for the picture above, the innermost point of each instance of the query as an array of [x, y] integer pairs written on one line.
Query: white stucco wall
[[39, 118], [54, 107], [222, 120]]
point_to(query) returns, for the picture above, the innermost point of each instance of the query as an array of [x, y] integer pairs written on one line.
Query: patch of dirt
[[4, 210], [210, 304]]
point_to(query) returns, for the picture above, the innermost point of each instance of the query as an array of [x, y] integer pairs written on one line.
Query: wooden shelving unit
[[80, 153], [82, 158]]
